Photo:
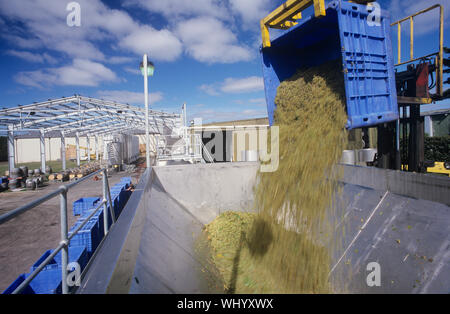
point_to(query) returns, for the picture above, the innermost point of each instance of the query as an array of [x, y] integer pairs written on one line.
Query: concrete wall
[[29, 149], [209, 189], [380, 211]]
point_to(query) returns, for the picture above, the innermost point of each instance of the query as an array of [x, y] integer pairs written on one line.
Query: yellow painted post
[[411, 21], [399, 35], [265, 34], [440, 86], [319, 8]]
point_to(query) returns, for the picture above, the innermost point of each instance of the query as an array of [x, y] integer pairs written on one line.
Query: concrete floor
[[25, 238]]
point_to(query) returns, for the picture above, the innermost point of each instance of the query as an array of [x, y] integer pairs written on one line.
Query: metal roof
[[85, 115]]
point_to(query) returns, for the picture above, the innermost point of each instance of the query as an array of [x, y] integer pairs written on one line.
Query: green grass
[[56, 165]]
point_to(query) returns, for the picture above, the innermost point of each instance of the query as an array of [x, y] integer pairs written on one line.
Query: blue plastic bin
[[98, 219], [76, 254], [46, 282], [16, 283], [88, 236], [343, 34], [83, 204]]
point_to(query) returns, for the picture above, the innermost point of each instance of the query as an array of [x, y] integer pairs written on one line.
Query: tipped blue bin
[[84, 204], [344, 34]]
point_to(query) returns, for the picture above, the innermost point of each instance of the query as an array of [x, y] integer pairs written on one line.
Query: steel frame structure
[[78, 116], [82, 114]]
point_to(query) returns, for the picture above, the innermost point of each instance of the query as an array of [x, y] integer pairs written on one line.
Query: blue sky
[[206, 52]]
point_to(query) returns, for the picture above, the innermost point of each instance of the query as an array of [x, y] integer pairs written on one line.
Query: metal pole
[[77, 142], [147, 136], [11, 152], [64, 240], [96, 147], [43, 151], [107, 199], [108, 195], [185, 129], [63, 150], [88, 145]]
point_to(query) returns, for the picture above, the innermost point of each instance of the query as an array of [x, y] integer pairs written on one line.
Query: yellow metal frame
[[286, 16], [439, 55]]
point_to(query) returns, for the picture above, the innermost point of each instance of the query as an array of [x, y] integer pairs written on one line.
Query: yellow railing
[[286, 16], [438, 55]]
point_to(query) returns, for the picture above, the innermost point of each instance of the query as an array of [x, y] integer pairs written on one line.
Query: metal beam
[[11, 149], [77, 143], [88, 146], [42, 139], [63, 150]]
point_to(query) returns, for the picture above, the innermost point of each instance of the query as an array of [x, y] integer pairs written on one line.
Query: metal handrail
[[65, 239], [439, 55]]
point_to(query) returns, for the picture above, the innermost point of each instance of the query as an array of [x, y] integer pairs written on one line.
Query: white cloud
[[32, 57], [160, 45], [181, 8], [209, 89], [209, 40], [260, 102], [134, 71], [45, 23], [120, 60], [234, 86], [251, 11], [243, 85], [81, 73], [128, 97]]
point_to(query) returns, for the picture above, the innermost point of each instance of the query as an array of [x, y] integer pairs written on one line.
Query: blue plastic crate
[[88, 236], [46, 282], [98, 219], [364, 51], [13, 286], [76, 254], [83, 204], [127, 181]]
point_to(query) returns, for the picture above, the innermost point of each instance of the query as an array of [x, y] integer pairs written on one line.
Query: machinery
[[379, 92]]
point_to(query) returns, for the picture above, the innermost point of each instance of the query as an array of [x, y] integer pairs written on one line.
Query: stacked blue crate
[[97, 218], [48, 281], [76, 254], [115, 199], [16, 283], [126, 180], [88, 236], [83, 204]]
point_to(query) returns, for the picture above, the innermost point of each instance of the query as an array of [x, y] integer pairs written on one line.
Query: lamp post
[[147, 69]]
